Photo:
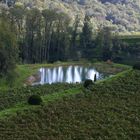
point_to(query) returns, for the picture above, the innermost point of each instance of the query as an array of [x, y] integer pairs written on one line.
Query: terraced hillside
[[107, 110]]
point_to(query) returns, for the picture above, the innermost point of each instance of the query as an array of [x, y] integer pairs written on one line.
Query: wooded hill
[[123, 15]]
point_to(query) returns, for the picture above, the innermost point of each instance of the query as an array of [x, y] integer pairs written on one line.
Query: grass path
[[46, 99]]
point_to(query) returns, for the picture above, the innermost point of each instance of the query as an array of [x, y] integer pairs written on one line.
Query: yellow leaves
[[18, 4]]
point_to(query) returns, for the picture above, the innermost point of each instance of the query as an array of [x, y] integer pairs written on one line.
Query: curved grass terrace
[[24, 71], [109, 109]]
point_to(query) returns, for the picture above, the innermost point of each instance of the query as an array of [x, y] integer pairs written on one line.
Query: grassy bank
[[110, 68], [12, 111], [11, 97], [18, 93], [24, 71], [107, 110]]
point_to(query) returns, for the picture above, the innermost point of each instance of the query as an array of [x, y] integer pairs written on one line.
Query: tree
[[104, 43], [116, 49], [55, 40], [74, 38], [8, 49], [49, 17], [17, 17], [33, 35], [86, 38], [63, 39], [107, 49], [99, 41]]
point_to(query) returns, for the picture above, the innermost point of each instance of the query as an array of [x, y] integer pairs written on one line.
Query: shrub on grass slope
[[34, 100], [87, 83]]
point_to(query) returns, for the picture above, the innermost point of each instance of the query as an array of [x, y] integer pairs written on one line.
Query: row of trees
[[34, 36], [47, 36]]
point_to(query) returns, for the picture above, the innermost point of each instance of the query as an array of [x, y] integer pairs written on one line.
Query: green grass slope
[[110, 110], [14, 96], [25, 71], [18, 93]]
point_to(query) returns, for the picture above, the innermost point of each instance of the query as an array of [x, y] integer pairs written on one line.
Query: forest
[[34, 36]]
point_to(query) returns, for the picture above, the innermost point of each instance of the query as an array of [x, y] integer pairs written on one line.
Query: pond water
[[69, 74]]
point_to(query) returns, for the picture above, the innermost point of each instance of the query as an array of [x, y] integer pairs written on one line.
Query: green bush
[[34, 100], [87, 83], [136, 66]]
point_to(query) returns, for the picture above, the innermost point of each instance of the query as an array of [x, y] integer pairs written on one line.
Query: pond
[[67, 74]]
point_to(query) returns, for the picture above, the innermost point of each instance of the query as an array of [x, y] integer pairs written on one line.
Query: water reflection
[[69, 74]]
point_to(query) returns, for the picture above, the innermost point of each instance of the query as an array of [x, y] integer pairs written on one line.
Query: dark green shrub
[[34, 100], [87, 83], [136, 66]]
